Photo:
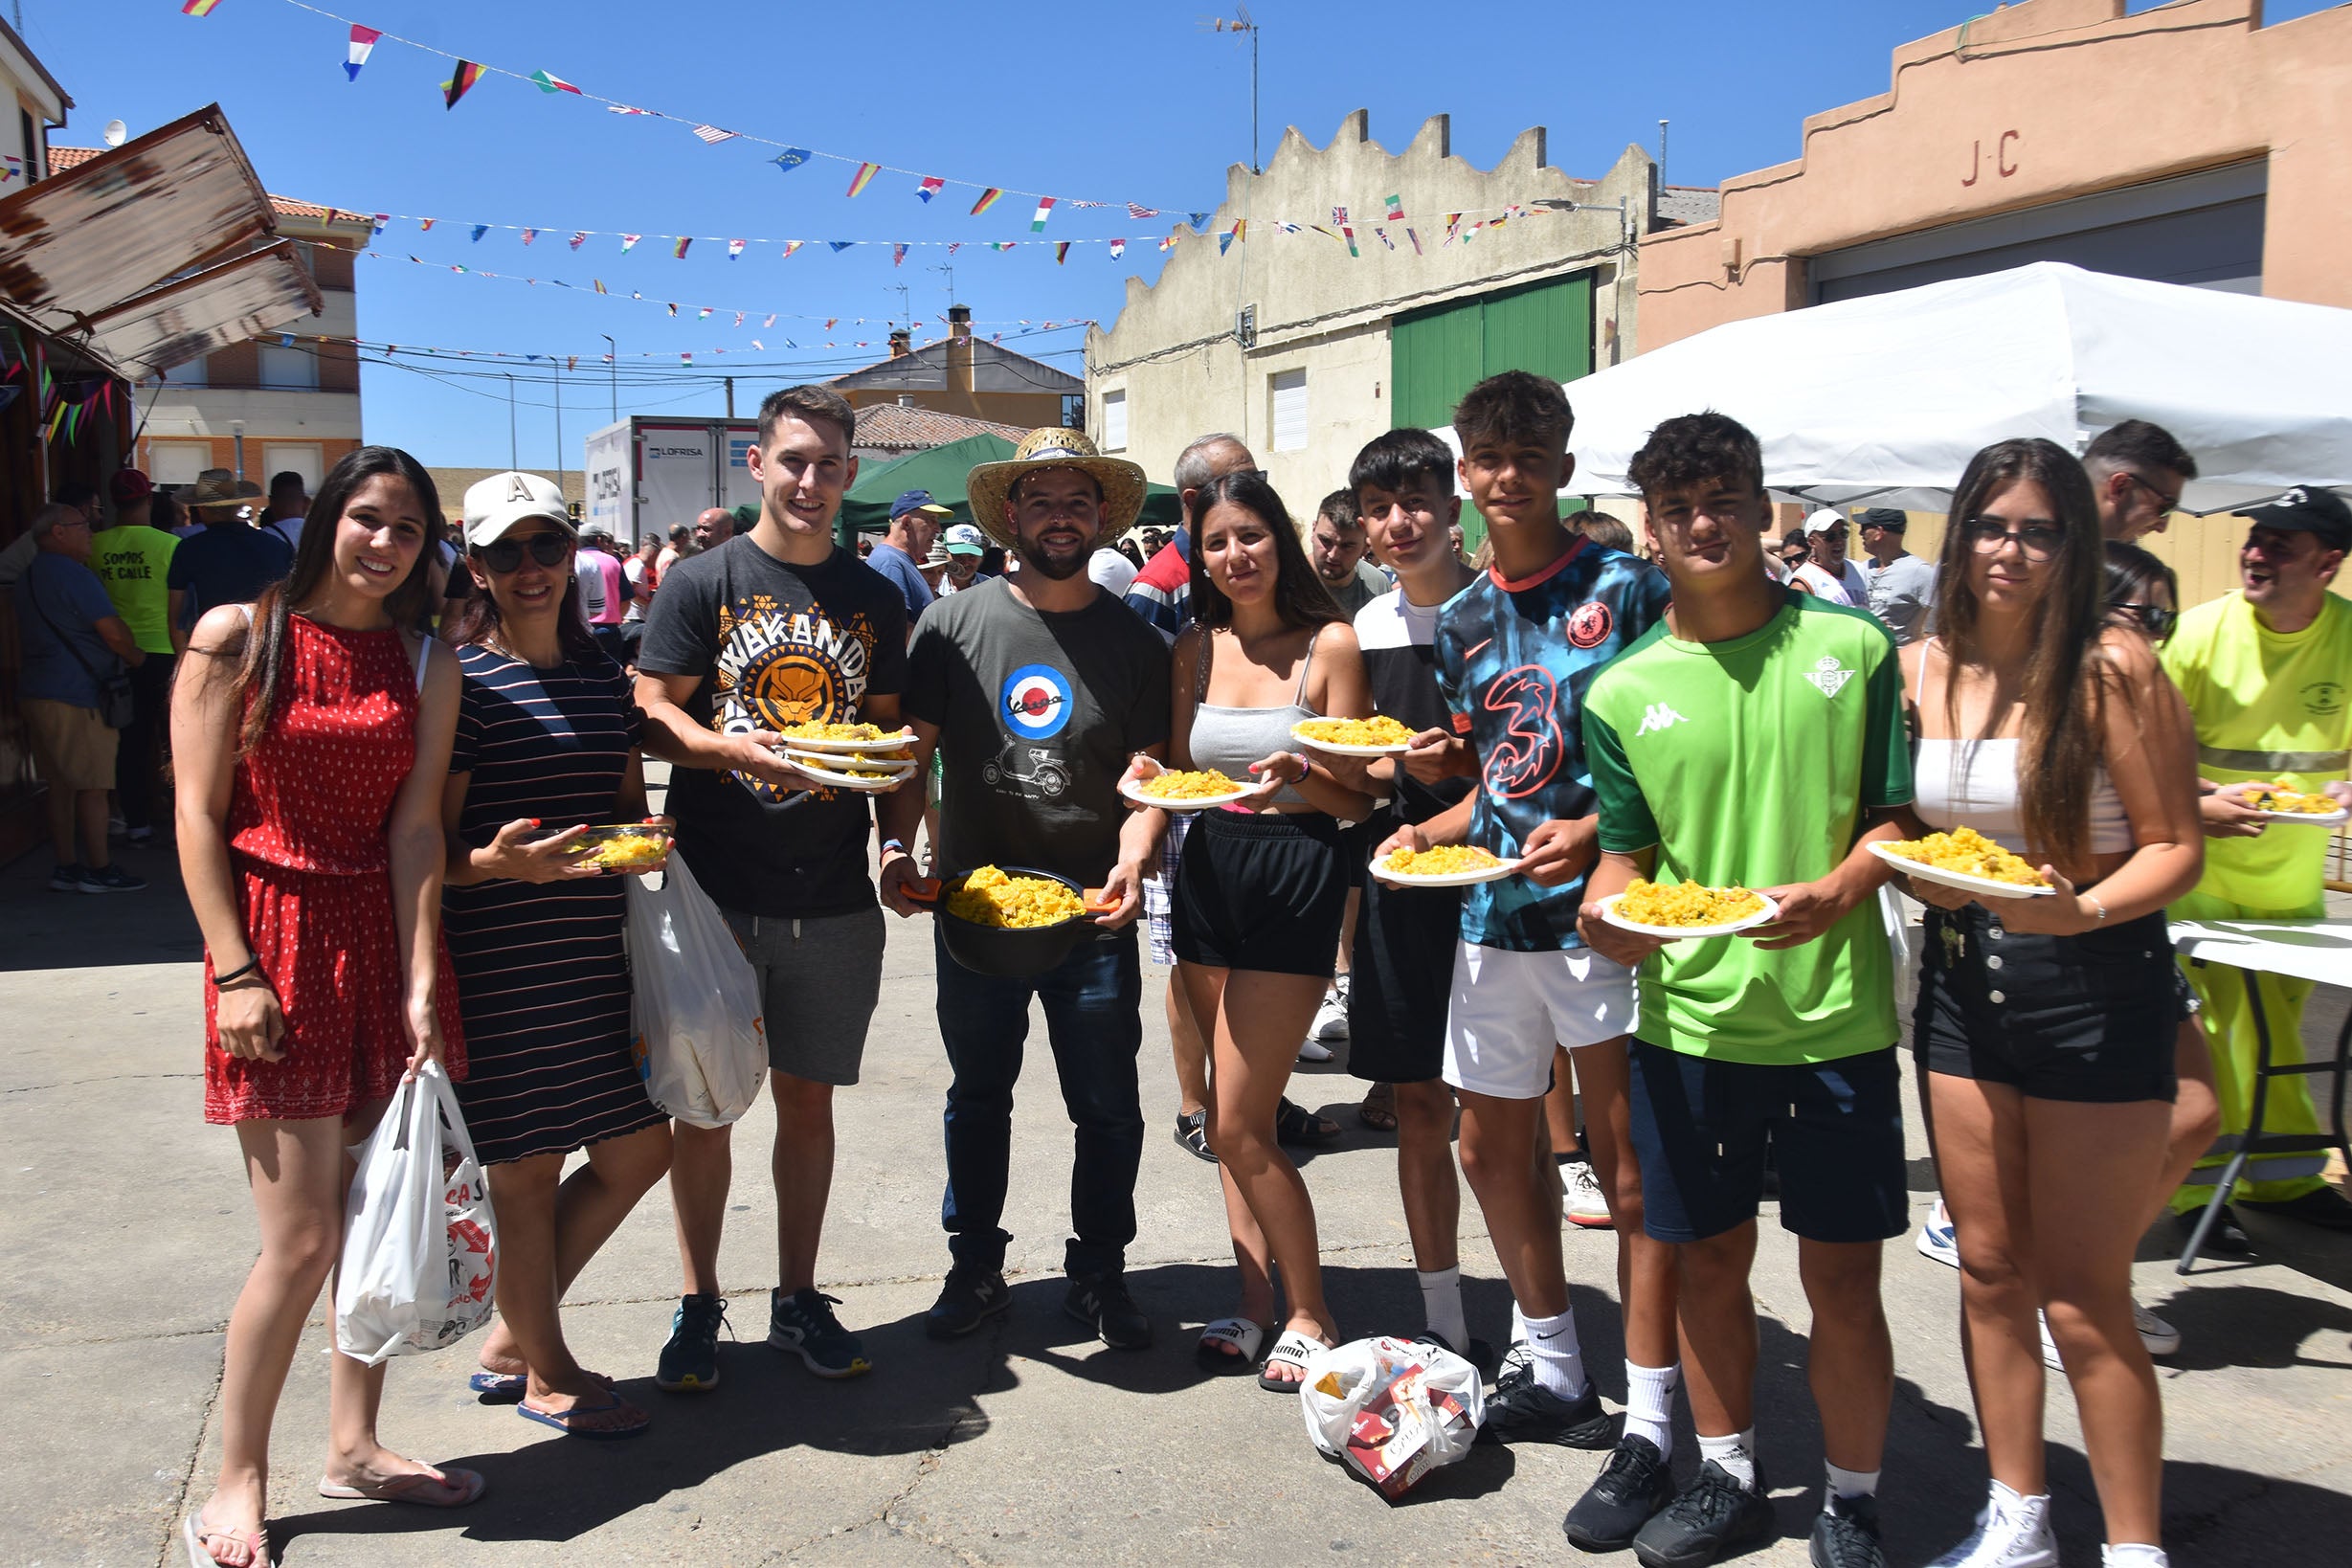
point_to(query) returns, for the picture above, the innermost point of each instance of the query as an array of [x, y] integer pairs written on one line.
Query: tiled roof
[[61, 159], [1685, 204], [896, 427], [995, 368]]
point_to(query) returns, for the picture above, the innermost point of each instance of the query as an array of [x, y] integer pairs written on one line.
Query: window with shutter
[[1289, 389], [1114, 421]]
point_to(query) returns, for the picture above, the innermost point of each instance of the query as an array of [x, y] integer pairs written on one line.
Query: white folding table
[[2319, 951]]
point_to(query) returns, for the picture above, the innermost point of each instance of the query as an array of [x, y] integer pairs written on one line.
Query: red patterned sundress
[[309, 820]]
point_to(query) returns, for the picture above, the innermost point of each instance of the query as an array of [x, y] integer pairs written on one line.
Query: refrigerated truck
[[645, 475]]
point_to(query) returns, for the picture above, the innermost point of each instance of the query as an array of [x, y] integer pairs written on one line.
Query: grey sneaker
[[804, 1322]]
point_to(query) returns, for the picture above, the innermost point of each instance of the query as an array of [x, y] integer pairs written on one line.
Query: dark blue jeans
[[1094, 1023]]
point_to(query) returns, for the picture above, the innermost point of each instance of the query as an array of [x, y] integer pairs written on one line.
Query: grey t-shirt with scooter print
[[1037, 715]]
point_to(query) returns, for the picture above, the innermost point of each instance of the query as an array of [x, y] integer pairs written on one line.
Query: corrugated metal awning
[[146, 256]]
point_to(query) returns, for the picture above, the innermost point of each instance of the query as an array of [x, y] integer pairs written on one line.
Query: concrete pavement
[[127, 1234]]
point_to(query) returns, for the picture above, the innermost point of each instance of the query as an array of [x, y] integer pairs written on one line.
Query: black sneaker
[[2227, 1239], [1101, 1302], [65, 879], [2322, 1206], [1846, 1535], [1631, 1489], [804, 1322], [1480, 1353], [111, 879], [1522, 1410], [690, 1360], [1714, 1515], [968, 1298]]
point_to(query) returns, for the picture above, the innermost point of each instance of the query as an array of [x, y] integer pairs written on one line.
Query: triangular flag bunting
[[790, 159], [1002, 244], [1416, 239], [734, 249], [1198, 219], [1044, 211], [530, 235], [628, 243], [1118, 249], [865, 177], [1138, 212], [897, 255], [425, 225], [1062, 251], [680, 252], [363, 40], [838, 246], [479, 229], [550, 82], [790, 246], [712, 135], [198, 7], [703, 315], [459, 83], [988, 199], [1396, 209], [930, 186], [578, 239]]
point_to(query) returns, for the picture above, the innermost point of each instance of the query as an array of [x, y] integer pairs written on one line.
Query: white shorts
[[1508, 1010]]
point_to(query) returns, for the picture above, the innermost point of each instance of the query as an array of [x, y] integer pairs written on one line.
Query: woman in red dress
[[311, 735]]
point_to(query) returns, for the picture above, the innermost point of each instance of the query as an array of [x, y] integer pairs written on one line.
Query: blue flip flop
[[562, 1421], [498, 1387]]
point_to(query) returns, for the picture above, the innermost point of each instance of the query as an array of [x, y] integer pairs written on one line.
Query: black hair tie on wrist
[[250, 966]]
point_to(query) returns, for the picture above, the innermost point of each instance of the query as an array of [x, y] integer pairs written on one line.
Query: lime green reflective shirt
[[133, 562], [2274, 706], [1750, 763]]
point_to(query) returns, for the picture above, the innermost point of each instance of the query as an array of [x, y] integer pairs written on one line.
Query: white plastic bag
[[700, 1042], [1392, 1410], [420, 1245]]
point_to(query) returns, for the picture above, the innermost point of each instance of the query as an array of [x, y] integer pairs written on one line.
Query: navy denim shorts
[[2089, 1018]]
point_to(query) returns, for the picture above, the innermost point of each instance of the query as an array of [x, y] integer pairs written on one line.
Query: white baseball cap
[[1826, 521], [497, 503]]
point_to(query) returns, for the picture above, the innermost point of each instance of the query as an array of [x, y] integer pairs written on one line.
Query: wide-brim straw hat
[[1122, 482], [216, 489]]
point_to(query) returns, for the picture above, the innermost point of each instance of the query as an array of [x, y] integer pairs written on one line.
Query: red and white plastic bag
[[1392, 1410], [420, 1245]]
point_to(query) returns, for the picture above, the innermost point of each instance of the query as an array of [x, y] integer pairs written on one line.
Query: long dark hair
[[2065, 676], [2131, 571], [478, 619], [1300, 598], [255, 692]]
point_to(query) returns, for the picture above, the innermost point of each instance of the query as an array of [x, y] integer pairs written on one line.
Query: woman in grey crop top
[[1260, 888], [2045, 1026]]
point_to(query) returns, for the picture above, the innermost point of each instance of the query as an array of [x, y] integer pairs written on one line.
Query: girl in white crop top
[[2045, 1025]]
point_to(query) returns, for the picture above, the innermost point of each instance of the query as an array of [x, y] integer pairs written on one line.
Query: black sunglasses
[[2155, 617], [505, 555]]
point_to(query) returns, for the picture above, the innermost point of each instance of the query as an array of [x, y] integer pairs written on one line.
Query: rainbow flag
[[865, 177], [459, 83], [988, 199]]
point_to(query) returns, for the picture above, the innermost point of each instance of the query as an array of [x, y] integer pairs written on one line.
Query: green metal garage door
[[1437, 355]]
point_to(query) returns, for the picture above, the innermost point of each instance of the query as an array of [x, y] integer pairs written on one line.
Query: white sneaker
[[2159, 1336], [1331, 1017], [2011, 1532], [1937, 1238], [1520, 1355], [1584, 1203], [1310, 1050]]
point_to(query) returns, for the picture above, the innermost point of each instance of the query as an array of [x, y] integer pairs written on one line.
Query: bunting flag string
[[988, 199], [865, 177], [1044, 211], [363, 44], [64, 406], [930, 186], [460, 83]]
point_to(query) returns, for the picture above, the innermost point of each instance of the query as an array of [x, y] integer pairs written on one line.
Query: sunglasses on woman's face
[[2155, 617], [505, 555]]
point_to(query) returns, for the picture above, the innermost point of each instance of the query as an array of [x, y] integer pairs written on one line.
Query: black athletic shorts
[[1400, 974], [2090, 1018], [1263, 892], [1836, 1131]]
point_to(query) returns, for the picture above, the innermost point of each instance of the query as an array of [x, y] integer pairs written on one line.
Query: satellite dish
[[116, 133]]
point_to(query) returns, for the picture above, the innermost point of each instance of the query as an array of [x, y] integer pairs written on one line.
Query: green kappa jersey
[[1750, 763]]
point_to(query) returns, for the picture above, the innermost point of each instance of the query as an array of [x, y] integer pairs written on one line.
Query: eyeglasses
[[2039, 541], [505, 555], [2158, 619], [2163, 503]]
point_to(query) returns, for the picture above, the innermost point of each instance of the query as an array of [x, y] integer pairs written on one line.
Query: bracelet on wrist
[[251, 966]]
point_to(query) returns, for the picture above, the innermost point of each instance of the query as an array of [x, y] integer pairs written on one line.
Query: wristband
[[248, 966], [889, 844]]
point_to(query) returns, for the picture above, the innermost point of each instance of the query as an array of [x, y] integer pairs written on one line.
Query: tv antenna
[[949, 269], [1238, 23]]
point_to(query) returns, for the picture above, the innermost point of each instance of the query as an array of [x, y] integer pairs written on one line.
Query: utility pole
[[730, 397], [1242, 22], [514, 444], [612, 361], [559, 422], [1662, 152]]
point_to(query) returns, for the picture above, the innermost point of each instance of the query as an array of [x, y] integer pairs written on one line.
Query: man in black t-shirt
[[1038, 692], [771, 628]]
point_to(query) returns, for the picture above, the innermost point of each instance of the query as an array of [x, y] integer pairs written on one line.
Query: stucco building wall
[[1172, 353]]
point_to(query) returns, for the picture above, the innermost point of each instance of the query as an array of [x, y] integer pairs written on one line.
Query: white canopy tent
[[1882, 400]]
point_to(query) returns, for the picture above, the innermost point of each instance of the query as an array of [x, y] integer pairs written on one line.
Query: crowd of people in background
[[385, 735]]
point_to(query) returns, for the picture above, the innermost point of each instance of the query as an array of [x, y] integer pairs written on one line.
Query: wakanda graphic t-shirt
[[1514, 659], [1037, 715], [775, 644]]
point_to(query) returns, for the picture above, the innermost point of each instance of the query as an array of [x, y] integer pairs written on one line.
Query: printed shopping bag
[[700, 1042], [1392, 1410], [419, 1242]]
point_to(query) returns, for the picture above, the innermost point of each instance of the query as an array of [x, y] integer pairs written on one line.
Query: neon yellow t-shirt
[[133, 563], [2274, 706]]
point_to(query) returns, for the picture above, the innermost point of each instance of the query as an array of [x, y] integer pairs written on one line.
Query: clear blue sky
[[1113, 102]]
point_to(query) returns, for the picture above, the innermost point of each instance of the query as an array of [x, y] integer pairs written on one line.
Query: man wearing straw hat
[[228, 561], [1038, 690]]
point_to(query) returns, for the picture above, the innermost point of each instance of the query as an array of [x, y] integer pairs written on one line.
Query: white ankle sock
[[1649, 1405], [1440, 1307], [2133, 1555], [1518, 1325], [1559, 1362], [1733, 1455], [1844, 1483]]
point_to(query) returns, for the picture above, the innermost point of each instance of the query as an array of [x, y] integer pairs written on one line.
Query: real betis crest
[[1829, 676]]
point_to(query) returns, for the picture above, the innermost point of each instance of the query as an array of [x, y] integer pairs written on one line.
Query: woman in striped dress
[[546, 739]]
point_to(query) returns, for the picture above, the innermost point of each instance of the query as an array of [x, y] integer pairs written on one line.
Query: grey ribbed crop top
[[1232, 738]]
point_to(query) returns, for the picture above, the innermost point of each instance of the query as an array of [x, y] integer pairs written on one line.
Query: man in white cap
[[1829, 574], [1037, 690], [965, 546]]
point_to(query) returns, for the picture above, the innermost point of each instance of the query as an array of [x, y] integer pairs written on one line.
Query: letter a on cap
[[515, 488]]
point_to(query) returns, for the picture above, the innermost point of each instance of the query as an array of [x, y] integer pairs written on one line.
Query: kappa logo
[[1658, 716], [1829, 676]]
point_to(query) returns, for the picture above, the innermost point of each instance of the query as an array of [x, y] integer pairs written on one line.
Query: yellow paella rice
[[2278, 797], [1379, 730], [1686, 904], [1175, 784], [841, 733], [627, 849], [1440, 860], [988, 897], [1965, 850]]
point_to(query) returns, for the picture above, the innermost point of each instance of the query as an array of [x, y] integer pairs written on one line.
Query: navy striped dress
[[542, 977]]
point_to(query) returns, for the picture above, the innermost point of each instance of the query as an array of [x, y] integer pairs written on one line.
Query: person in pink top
[[605, 590]]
